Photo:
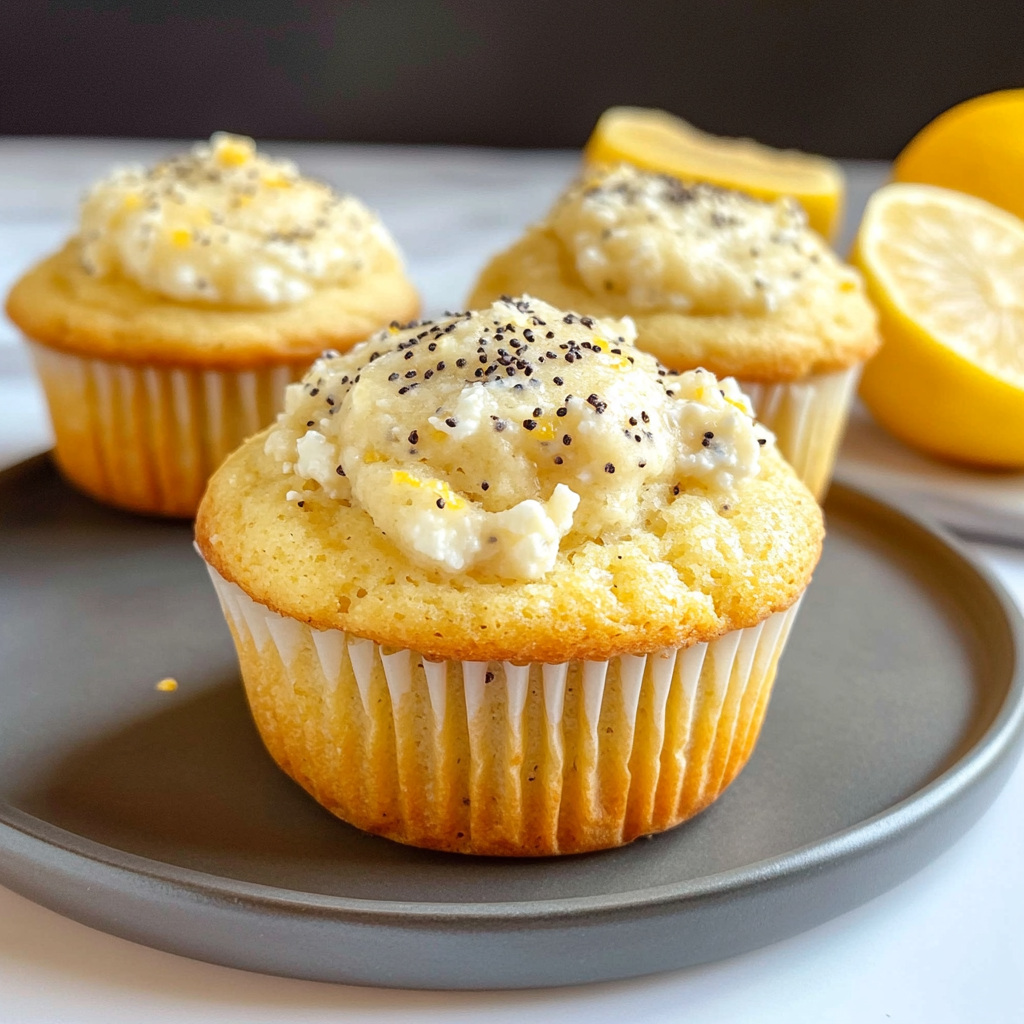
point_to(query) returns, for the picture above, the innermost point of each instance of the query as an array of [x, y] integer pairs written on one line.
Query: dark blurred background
[[850, 78]]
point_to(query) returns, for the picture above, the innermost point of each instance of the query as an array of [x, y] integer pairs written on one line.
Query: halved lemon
[[657, 141], [946, 271]]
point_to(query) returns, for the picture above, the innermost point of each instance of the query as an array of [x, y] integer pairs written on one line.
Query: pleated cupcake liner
[[497, 758], [808, 418], [148, 437]]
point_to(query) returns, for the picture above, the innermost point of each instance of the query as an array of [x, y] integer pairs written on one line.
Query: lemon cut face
[[658, 141], [947, 273], [955, 265]]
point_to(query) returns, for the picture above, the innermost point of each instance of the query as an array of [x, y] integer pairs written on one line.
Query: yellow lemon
[[658, 141], [976, 147], [946, 271]]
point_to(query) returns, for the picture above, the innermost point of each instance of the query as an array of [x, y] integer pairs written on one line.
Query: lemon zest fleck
[[233, 152], [399, 476], [438, 487]]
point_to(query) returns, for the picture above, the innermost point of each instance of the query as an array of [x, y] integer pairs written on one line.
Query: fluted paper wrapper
[[148, 438], [808, 418], [498, 758]]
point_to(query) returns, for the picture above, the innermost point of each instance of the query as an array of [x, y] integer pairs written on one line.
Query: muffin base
[[808, 417], [147, 438], [501, 759]]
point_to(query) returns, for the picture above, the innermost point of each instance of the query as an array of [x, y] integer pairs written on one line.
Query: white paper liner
[[498, 758], [149, 437], [808, 418]]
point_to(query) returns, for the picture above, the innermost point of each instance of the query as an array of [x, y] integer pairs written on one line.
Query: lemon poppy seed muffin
[[712, 278], [166, 329], [503, 584]]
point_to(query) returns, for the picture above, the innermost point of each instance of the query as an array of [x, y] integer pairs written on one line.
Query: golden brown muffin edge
[[59, 305], [327, 564]]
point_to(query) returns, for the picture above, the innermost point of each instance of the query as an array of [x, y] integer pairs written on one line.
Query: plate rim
[[998, 744]]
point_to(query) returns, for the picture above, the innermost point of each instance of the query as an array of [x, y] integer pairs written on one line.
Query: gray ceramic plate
[[157, 816]]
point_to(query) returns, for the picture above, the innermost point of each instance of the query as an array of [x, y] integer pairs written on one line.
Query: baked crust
[[694, 572], [58, 304], [819, 330]]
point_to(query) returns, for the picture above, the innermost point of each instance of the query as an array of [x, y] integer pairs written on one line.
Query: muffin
[[165, 331], [711, 278], [502, 584]]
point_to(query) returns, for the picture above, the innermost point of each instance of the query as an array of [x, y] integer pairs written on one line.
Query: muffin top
[[226, 225], [712, 276], [696, 249], [513, 483], [210, 242]]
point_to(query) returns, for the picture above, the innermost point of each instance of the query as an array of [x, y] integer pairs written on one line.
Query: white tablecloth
[[946, 946]]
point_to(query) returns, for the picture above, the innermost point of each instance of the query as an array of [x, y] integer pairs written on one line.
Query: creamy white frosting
[[227, 225], [478, 442], [694, 249]]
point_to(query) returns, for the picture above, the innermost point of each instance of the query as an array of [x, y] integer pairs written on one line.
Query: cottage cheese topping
[[476, 443], [691, 249], [226, 225]]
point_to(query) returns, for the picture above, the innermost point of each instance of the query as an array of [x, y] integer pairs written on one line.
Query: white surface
[[943, 948], [987, 503]]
